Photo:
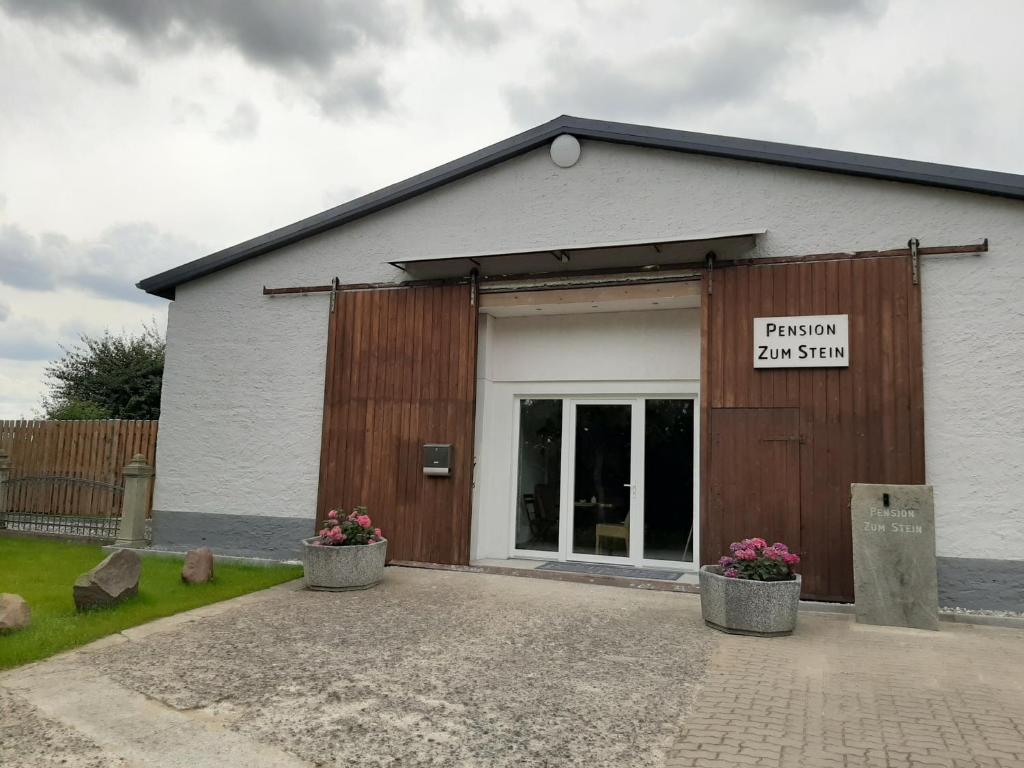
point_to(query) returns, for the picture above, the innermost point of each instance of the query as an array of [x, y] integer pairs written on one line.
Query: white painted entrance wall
[[243, 389], [617, 353]]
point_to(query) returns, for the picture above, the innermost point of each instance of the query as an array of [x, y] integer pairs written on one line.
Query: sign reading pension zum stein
[[894, 569], [811, 341]]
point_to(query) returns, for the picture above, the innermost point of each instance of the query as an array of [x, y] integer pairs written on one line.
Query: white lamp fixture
[[565, 151]]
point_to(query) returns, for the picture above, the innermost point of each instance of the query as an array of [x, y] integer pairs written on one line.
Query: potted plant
[[348, 553], [753, 590]]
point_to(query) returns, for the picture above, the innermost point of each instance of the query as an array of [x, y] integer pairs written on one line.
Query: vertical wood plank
[[83, 450], [410, 360], [916, 382]]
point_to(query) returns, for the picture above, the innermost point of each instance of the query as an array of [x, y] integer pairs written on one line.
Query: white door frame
[[602, 393], [566, 524]]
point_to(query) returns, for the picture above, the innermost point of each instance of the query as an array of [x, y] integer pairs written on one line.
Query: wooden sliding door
[[781, 446], [401, 372]]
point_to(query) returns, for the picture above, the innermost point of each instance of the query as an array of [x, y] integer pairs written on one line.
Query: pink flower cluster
[[754, 559], [356, 528]]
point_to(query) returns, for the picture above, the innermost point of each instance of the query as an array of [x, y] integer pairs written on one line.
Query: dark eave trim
[[790, 155]]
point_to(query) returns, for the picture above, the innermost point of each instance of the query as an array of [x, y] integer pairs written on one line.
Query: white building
[[572, 311]]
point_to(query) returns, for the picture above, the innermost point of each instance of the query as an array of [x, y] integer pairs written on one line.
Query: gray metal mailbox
[[437, 459]]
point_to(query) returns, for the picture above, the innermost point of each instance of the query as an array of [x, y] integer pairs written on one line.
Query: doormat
[[598, 569]]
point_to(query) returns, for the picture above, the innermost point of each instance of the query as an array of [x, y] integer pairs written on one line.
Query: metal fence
[[102, 527]]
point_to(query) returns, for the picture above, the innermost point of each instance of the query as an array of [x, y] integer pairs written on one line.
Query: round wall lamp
[[565, 151]]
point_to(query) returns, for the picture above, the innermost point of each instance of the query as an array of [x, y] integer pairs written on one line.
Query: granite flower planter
[[747, 607], [339, 569]]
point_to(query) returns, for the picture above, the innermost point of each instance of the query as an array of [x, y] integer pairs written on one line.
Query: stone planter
[[743, 607], [339, 569]]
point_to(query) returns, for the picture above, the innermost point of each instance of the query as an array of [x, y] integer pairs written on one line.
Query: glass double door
[[606, 480]]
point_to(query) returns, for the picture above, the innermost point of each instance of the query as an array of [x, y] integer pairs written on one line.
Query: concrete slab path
[[438, 668], [430, 668]]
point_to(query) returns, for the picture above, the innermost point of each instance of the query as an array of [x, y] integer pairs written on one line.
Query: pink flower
[[731, 573], [759, 543], [746, 554], [377, 533], [780, 546], [364, 521], [790, 559], [333, 514], [772, 553]]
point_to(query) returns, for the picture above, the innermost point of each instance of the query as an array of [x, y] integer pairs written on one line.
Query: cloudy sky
[[139, 134]]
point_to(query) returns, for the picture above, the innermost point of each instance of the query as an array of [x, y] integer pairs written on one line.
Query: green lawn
[[42, 571]]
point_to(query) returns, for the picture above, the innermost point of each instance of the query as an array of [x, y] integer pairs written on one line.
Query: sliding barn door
[[816, 429], [401, 372]]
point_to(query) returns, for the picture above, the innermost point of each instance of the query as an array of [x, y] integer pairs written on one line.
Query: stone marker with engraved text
[[894, 572]]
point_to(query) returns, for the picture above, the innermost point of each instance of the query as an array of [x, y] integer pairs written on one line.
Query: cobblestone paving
[[843, 694]]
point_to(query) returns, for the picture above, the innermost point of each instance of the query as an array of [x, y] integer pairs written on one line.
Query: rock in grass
[[110, 582], [14, 612], [198, 568]]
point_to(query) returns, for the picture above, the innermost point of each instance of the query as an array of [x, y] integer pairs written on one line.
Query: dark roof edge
[[791, 155]]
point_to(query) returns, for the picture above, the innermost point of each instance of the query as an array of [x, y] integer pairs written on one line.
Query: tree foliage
[[108, 376], [76, 411]]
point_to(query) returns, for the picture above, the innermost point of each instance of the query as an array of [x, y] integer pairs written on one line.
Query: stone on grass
[[110, 582], [198, 568], [14, 612]]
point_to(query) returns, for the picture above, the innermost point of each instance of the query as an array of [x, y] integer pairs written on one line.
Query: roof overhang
[[681, 249]]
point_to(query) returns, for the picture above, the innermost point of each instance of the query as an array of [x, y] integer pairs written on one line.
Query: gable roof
[[791, 155]]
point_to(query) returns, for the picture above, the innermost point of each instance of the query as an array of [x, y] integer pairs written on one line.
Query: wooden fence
[[46, 454]]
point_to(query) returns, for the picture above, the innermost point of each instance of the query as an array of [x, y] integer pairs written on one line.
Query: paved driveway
[[431, 668], [437, 668]]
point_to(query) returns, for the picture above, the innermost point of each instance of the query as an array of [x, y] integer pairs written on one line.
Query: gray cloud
[[364, 87], [315, 38], [19, 343], [104, 67], [449, 19], [737, 63], [863, 10], [109, 266], [655, 83], [311, 33], [19, 267], [20, 340], [878, 122], [242, 123]]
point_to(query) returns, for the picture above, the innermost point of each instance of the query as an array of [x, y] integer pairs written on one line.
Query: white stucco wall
[[624, 346], [244, 384]]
